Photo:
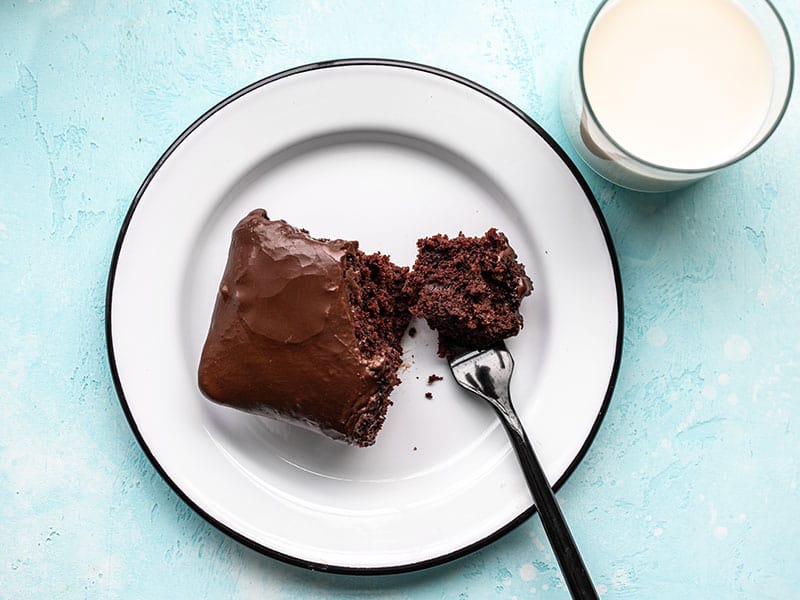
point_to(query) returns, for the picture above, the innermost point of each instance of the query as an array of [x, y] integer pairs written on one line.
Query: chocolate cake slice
[[469, 289], [306, 330]]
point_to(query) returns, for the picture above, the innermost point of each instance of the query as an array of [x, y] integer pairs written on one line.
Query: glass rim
[[741, 155]]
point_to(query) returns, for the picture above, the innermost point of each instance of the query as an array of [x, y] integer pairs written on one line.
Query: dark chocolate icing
[[282, 340]]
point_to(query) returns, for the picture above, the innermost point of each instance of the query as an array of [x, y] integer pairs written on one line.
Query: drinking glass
[[597, 146]]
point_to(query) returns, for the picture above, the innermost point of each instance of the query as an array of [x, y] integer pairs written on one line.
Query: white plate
[[383, 152]]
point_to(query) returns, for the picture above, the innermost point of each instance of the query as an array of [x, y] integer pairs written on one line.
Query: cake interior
[[469, 289], [380, 315]]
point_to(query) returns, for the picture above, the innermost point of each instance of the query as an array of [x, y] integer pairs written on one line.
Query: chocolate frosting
[[282, 338]]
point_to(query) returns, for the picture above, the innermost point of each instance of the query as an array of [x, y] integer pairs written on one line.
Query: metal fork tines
[[487, 373]]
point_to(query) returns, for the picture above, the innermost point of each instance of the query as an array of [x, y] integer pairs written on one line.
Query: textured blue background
[[690, 489]]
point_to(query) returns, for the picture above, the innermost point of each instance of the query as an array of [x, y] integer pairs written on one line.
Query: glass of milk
[[666, 92]]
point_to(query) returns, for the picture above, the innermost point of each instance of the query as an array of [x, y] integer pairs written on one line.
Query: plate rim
[[342, 569]]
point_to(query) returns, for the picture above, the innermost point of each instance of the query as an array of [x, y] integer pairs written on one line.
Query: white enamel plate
[[382, 152]]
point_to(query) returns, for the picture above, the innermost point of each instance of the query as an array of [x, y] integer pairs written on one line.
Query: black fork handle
[[569, 559]]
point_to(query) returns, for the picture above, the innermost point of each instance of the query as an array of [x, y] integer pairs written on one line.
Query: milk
[[683, 84]]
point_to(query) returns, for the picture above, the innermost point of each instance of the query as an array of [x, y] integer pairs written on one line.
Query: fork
[[487, 373]]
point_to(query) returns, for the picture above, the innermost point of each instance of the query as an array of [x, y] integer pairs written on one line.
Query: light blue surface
[[691, 487]]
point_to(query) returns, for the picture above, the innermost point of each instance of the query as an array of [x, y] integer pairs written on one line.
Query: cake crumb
[[429, 396], [433, 378], [415, 448], [412, 331]]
